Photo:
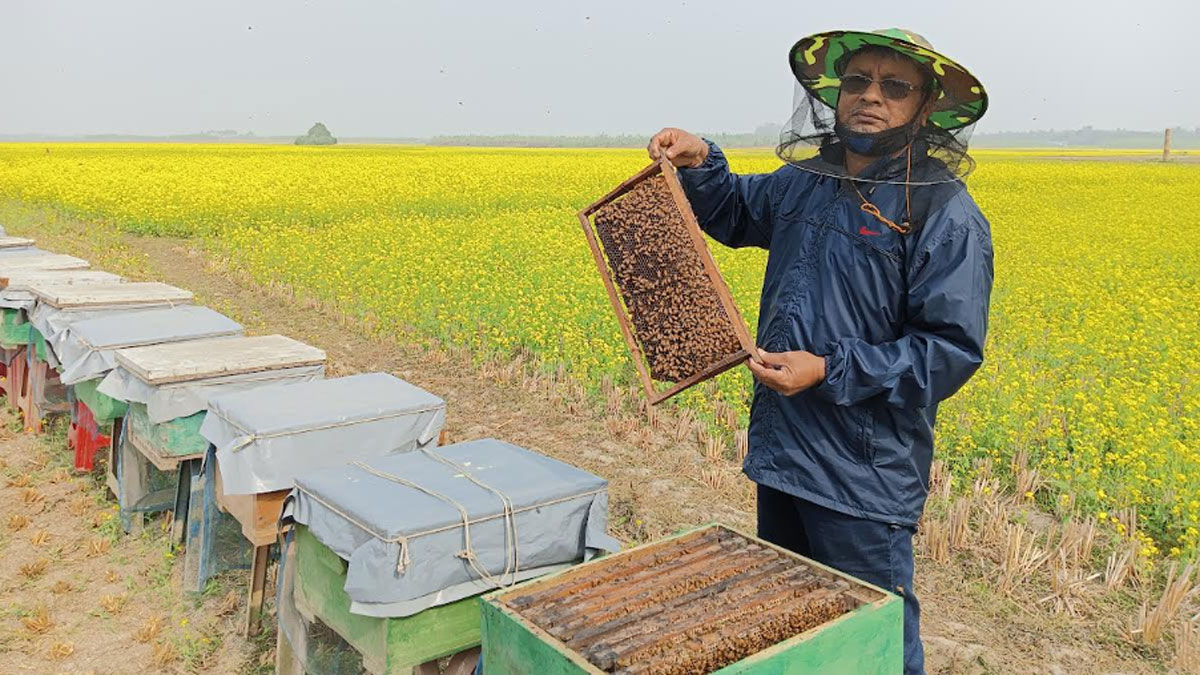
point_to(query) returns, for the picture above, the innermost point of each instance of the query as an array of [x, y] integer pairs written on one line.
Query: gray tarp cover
[[53, 322], [265, 437], [179, 399], [87, 348], [403, 543]]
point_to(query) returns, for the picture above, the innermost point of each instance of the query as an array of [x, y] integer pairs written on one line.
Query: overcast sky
[[423, 68]]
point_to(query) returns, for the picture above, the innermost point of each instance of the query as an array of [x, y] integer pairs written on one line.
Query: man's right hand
[[684, 150]]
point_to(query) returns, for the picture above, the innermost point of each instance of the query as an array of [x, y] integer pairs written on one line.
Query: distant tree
[[317, 135]]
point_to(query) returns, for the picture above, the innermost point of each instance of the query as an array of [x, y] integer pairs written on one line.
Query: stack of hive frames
[[709, 600]]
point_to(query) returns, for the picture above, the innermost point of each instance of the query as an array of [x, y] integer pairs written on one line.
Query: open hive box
[[674, 309], [711, 600]]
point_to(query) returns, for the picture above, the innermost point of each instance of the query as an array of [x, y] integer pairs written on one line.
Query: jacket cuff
[[835, 369], [715, 159]]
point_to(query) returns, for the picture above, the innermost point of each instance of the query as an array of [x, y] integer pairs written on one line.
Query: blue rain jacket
[[900, 320]]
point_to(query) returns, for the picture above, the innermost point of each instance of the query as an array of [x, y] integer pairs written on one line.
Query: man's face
[[872, 111]]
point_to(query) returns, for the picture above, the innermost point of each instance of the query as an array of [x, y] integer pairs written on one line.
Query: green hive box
[[104, 408], [175, 438], [387, 645], [697, 567], [14, 329], [39, 344]]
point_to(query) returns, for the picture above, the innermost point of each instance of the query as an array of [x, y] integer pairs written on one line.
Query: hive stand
[[86, 437], [95, 423], [14, 338], [15, 382], [130, 463], [44, 394]]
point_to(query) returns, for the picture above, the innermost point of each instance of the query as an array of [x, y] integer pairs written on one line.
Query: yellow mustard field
[[1092, 366]]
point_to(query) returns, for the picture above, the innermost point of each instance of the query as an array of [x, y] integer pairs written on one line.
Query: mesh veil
[[940, 155]]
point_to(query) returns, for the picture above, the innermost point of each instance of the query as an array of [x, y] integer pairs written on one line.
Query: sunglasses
[[894, 89]]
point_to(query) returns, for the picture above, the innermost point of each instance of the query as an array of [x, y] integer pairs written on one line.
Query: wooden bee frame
[[624, 319]]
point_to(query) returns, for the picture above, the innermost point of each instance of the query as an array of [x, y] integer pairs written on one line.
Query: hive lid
[[266, 436], [40, 260], [14, 242], [86, 349], [113, 294], [396, 519], [22, 279], [154, 326], [343, 401], [202, 359]]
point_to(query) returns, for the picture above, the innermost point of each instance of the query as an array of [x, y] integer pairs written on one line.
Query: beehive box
[[387, 645], [674, 309], [711, 600]]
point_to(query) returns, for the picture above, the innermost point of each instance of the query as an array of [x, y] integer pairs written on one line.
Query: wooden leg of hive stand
[[258, 582], [286, 661], [133, 478], [179, 517], [200, 517], [291, 641]]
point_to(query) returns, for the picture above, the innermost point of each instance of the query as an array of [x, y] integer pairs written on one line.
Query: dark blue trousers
[[875, 552]]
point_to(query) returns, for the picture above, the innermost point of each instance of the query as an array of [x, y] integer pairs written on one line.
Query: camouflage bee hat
[[817, 59]]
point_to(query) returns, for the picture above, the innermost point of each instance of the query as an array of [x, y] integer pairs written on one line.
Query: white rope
[[403, 558], [511, 564]]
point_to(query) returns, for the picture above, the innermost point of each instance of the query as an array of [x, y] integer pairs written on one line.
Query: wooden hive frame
[[664, 168]]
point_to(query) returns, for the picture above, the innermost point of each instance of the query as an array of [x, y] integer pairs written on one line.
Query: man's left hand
[[788, 372]]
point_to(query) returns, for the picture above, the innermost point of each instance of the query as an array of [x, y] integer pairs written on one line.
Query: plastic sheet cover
[[53, 322], [265, 437], [179, 399], [399, 522], [87, 347]]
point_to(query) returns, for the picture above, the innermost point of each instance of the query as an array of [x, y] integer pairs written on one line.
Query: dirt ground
[[117, 607]]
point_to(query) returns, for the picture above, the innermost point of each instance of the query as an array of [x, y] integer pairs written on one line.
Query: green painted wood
[[387, 645], [513, 647], [39, 343], [175, 438], [104, 408], [869, 639], [14, 329]]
